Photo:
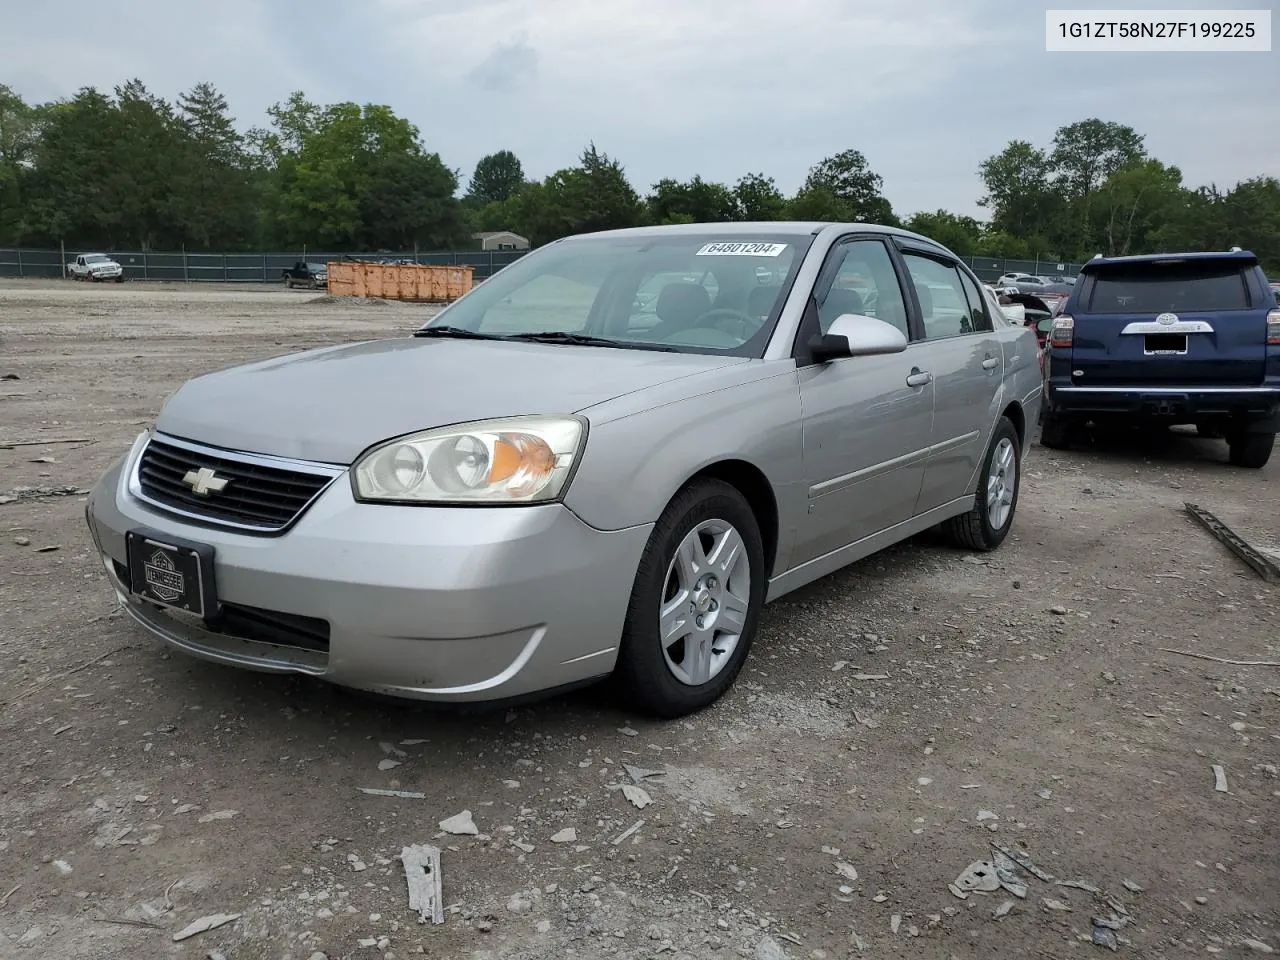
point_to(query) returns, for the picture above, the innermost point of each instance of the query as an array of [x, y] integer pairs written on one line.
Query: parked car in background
[[1191, 338], [95, 267], [302, 274], [551, 483]]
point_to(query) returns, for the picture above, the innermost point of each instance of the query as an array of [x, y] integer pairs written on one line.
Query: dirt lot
[[893, 721]]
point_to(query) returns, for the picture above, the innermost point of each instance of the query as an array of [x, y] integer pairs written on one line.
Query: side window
[[979, 317], [864, 283], [943, 304]]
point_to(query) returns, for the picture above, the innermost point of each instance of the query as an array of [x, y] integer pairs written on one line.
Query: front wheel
[[695, 604], [986, 525], [1251, 450]]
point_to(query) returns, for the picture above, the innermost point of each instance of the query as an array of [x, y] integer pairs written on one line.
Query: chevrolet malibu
[[602, 461]]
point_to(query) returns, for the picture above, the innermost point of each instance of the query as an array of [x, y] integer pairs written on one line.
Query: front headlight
[[516, 460]]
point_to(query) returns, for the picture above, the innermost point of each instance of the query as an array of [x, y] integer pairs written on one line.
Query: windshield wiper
[[586, 340], [456, 332]]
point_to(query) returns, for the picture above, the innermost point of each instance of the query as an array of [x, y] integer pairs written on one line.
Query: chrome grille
[[262, 494]]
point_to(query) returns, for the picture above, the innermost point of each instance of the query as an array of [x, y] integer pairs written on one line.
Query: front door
[[967, 362], [867, 420]]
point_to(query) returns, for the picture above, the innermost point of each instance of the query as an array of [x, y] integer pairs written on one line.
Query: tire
[[978, 529], [673, 681], [120, 279], [1208, 431], [1055, 431], [288, 283], [1251, 450]]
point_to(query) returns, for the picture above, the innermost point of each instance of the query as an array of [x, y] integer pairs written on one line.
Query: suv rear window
[[1175, 287]]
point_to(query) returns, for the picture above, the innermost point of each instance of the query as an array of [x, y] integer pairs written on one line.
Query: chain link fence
[[234, 267], [268, 267]]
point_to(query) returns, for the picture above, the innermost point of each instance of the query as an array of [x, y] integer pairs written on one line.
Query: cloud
[[506, 67], [926, 89]]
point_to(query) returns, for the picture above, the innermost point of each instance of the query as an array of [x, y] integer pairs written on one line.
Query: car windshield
[[316, 267], [688, 292], [1177, 287], [95, 258]]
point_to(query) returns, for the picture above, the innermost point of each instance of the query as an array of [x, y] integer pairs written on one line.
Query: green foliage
[[497, 178], [126, 168]]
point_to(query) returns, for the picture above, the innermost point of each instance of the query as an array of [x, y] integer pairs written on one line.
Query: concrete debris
[[391, 750], [1058, 611], [638, 796], [567, 835], [957, 892], [895, 922], [1078, 885], [1258, 946], [870, 676], [769, 949], [980, 876], [1059, 905], [62, 867], [219, 815], [204, 924], [518, 904], [460, 824], [1044, 794], [1132, 886], [640, 774], [1219, 778], [626, 833], [1105, 937], [388, 764], [522, 846], [846, 870], [1003, 910], [543, 926], [987, 815], [1023, 861], [628, 732], [402, 794], [422, 874]]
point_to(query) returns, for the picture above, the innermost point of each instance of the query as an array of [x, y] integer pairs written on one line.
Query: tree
[[961, 235], [818, 203], [216, 193], [695, 201], [19, 134], [1018, 190], [847, 177], [759, 198], [1084, 154], [496, 179], [1132, 202], [408, 200]]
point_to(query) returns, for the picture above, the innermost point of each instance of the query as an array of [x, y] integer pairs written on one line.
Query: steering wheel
[[713, 317]]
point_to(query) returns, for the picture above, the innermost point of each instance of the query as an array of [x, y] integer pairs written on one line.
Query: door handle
[[919, 378], [989, 363]]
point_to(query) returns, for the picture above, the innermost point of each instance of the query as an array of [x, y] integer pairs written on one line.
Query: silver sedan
[[603, 461]]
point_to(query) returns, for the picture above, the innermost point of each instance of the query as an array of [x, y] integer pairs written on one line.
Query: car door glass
[[944, 308], [865, 283], [979, 318]]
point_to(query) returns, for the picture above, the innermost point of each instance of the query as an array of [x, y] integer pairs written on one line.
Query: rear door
[[1175, 322]]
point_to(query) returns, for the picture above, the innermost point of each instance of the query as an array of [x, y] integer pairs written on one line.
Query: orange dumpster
[[419, 282]]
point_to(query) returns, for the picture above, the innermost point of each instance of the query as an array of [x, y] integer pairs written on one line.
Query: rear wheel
[[1208, 431], [1055, 431], [695, 604], [1251, 450], [986, 525]]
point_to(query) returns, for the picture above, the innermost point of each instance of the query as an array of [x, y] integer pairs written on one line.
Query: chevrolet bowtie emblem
[[204, 481]]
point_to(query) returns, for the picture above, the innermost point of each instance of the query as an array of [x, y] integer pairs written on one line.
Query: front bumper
[[1252, 403], [452, 604]]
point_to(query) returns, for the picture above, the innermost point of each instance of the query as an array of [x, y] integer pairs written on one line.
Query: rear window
[[1172, 287]]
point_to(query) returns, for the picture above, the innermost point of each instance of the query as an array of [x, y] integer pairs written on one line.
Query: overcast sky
[[924, 88]]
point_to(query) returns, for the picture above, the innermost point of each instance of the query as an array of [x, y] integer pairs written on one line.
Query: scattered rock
[[1003, 910], [460, 824], [638, 796], [1050, 904], [1132, 886], [769, 949], [211, 922], [567, 835], [219, 815], [518, 904], [846, 870], [1258, 946], [22, 541], [1058, 611], [388, 764]]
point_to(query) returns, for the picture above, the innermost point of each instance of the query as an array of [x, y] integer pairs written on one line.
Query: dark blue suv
[[1188, 338]]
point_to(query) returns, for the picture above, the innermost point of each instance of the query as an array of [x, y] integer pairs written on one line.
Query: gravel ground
[[894, 721]]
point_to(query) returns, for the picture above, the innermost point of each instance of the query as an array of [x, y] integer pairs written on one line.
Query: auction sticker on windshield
[[742, 250]]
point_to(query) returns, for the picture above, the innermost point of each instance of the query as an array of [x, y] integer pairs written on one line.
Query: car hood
[[331, 404]]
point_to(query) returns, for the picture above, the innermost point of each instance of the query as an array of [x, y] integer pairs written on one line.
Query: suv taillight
[[1273, 328], [1063, 331]]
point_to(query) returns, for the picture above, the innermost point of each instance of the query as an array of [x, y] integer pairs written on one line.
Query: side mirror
[[855, 335]]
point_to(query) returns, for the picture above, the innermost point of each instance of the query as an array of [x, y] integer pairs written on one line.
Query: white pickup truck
[[96, 267]]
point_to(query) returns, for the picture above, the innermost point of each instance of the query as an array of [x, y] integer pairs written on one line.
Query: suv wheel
[[695, 605], [1055, 431], [1251, 450], [986, 525]]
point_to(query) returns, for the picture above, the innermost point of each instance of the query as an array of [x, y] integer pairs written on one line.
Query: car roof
[[1243, 257], [784, 228]]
